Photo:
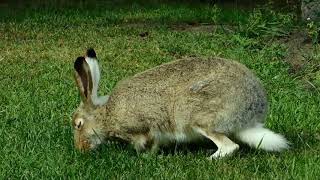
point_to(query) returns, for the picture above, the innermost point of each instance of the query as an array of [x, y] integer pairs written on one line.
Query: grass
[[38, 95]]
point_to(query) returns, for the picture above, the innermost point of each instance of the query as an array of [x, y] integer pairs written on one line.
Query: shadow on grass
[[298, 144]]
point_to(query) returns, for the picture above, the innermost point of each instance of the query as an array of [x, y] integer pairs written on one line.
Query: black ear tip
[[91, 53], [78, 63]]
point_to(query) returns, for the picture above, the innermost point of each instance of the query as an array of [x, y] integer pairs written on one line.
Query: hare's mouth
[[83, 145]]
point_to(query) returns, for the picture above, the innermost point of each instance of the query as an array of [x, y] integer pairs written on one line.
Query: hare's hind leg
[[225, 145]]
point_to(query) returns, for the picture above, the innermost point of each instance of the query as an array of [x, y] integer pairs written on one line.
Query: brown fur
[[215, 94]]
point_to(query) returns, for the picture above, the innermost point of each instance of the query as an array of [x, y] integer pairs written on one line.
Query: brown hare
[[181, 101]]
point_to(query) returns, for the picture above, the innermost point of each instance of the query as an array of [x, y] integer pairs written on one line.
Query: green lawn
[[38, 46]]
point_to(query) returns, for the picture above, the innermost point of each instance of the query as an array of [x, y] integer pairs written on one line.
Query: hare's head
[[88, 131]]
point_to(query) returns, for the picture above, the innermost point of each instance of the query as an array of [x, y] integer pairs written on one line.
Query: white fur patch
[[95, 74], [224, 151], [260, 137]]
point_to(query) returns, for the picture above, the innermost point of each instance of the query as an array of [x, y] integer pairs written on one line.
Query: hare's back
[[192, 78], [184, 71]]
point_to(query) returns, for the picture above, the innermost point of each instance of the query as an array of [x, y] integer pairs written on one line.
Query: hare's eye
[[78, 123]]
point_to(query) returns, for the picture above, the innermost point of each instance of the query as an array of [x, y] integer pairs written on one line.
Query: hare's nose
[[84, 146]]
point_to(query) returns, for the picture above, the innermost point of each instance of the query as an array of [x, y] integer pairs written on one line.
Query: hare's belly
[[178, 136]]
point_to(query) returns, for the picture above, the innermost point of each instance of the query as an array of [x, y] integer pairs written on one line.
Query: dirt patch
[[137, 24], [303, 59], [200, 27], [193, 27], [299, 46]]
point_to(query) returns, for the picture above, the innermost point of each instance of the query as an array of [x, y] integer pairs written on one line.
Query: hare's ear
[[92, 61], [83, 77]]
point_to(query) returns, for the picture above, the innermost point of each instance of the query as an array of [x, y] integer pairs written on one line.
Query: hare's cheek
[[95, 142]]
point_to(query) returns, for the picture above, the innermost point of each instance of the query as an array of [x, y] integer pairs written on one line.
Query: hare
[[181, 101]]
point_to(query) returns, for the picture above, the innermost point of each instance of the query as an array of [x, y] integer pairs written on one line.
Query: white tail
[[260, 137]]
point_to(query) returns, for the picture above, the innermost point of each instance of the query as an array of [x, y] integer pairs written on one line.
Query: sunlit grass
[[38, 93]]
